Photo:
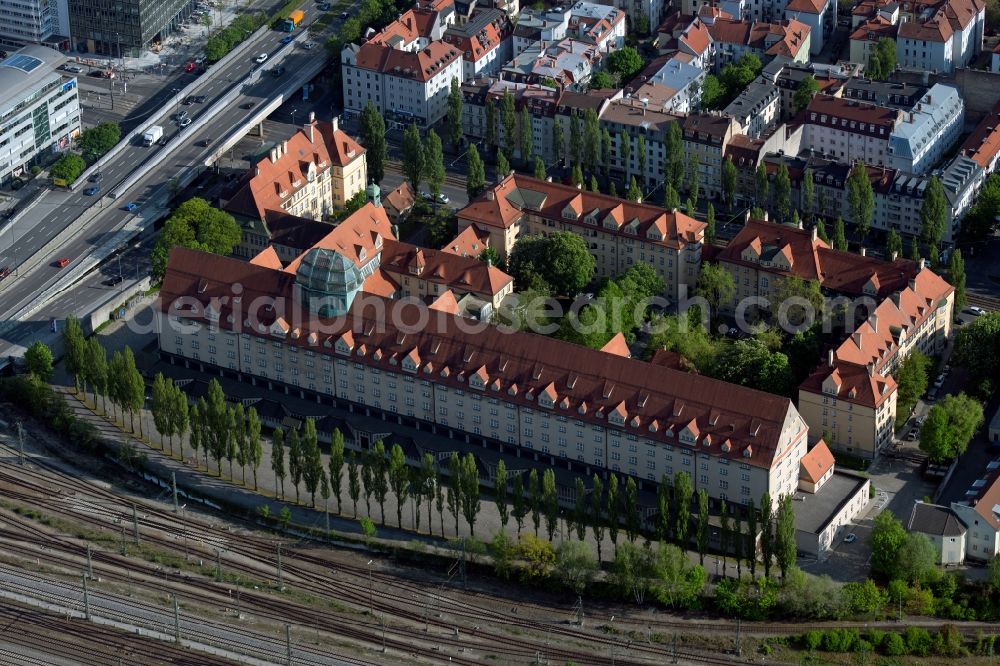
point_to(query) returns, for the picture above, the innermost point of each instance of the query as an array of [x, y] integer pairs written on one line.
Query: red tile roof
[[806, 6], [470, 242], [732, 421], [817, 462], [935, 30], [618, 346], [504, 205], [874, 30], [860, 117], [983, 144], [267, 258], [462, 274], [987, 503], [358, 238], [853, 383], [422, 65], [402, 198]]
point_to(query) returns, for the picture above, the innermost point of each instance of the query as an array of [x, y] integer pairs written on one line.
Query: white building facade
[[928, 131]]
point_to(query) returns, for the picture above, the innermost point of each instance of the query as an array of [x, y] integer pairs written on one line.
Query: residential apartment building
[[600, 25], [732, 39], [569, 63], [903, 96], [309, 175], [486, 42], [789, 77], [637, 10], [619, 233], [923, 136], [545, 25], [706, 136], [848, 130], [867, 35], [942, 528], [980, 512], [687, 38], [587, 410], [639, 120], [39, 109], [405, 70], [951, 37], [852, 397], [983, 145], [819, 15], [671, 84], [756, 109], [541, 102]]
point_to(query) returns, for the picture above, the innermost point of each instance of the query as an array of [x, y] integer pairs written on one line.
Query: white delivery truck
[[152, 135]]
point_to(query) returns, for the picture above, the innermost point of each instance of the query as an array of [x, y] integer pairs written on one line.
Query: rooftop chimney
[[871, 369], [923, 263], [310, 126], [829, 358], [873, 321], [274, 155], [490, 195], [334, 122], [895, 255], [284, 147], [863, 252], [815, 234]]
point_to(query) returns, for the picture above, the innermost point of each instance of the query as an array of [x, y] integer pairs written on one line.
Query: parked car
[[4, 272], [308, 45], [261, 59], [932, 395], [343, 15], [63, 262], [163, 140], [91, 191], [976, 311], [184, 123]]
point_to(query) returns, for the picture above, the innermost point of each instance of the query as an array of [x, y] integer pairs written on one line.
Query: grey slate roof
[[934, 519]]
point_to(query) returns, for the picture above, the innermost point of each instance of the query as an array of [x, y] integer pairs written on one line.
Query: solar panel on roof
[[25, 63]]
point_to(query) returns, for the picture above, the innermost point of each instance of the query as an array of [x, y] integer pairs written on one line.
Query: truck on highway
[[152, 135], [293, 20]]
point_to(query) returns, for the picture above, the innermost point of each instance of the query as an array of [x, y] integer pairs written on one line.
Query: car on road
[[190, 66], [96, 177], [4, 272], [163, 140], [939, 382], [851, 538], [308, 45], [249, 105], [181, 115], [912, 437], [63, 262], [278, 71], [131, 206], [261, 59], [442, 197], [16, 184], [91, 191], [114, 280], [198, 99], [921, 419], [287, 40], [205, 143], [324, 6], [976, 311], [73, 69], [189, 100], [184, 122]]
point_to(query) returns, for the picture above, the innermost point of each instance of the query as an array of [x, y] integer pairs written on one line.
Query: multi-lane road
[[59, 209]]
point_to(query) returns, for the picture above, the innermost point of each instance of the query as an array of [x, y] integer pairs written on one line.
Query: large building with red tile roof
[[309, 330], [405, 70], [851, 398], [486, 42], [983, 145], [733, 39], [310, 175], [618, 232], [848, 130]]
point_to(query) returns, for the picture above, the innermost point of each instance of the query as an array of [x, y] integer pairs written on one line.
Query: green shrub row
[[915, 641]]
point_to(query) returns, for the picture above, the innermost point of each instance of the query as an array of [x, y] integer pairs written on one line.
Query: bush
[[918, 641], [812, 639], [894, 645], [96, 141], [68, 168]]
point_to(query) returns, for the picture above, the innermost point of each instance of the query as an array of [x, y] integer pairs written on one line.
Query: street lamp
[[293, 115], [371, 593]]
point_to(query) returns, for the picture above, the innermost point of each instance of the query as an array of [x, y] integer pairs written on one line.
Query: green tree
[[38, 360], [716, 286], [625, 152], [821, 231], [455, 132], [640, 157], [540, 169], [752, 537], [784, 536], [525, 135], [580, 509], [575, 139], [693, 180], [606, 150], [950, 426], [710, 224], [683, 492], [933, 214], [763, 186], [296, 460], [535, 499], [893, 244], [159, 406], [807, 190], [674, 155], [500, 491], [632, 570], [96, 141], [671, 198], [577, 176], [74, 350], [373, 139], [255, 451], [624, 62], [915, 559], [336, 465], [68, 168], [956, 275], [724, 533], [804, 92], [550, 500], [712, 92], [728, 182], [470, 491], [664, 494], [882, 59], [602, 81], [575, 565], [633, 521], [414, 156], [353, 481], [379, 463], [597, 512], [613, 510], [399, 480], [278, 460], [766, 533], [503, 166], [312, 468], [561, 260], [518, 507], [782, 193], [839, 235], [887, 538], [196, 225], [702, 534], [508, 120], [434, 171], [475, 178], [633, 193], [861, 199], [594, 186], [977, 348], [911, 379], [428, 486], [558, 141]]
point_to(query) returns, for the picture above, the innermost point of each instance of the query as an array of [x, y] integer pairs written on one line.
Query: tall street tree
[[633, 521], [782, 194], [784, 536], [312, 469], [839, 235], [455, 132], [380, 481], [950, 426], [336, 465], [255, 451], [550, 500], [500, 492], [728, 182], [75, 349], [613, 511], [278, 461], [807, 195], [702, 536], [373, 139], [471, 503], [597, 512], [766, 533], [296, 460], [535, 499], [399, 480], [413, 156], [933, 214], [475, 177], [683, 492], [861, 199], [508, 119], [956, 275], [434, 164]]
